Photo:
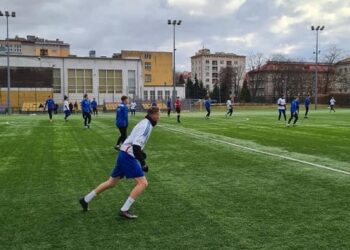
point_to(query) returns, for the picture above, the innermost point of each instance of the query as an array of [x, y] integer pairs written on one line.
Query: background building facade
[[106, 79], [34, 46], [207, 66], [157, 73]]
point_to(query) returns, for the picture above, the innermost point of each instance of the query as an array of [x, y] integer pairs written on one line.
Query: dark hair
[[86, 95], [152, 110], [65, 97], [124, 97]]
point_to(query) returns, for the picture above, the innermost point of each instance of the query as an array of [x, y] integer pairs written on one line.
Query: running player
[[130, 163]]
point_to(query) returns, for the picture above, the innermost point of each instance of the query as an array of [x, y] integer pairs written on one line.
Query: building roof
[[76, 57], [293, 66], [206, 53]]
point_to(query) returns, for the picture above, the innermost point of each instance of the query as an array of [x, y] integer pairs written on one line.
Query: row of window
[[80, 81], [215, 62], [12, 47], [346, 70], [151, 95]]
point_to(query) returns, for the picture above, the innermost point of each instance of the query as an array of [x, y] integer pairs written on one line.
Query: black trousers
[[123, 135], [50, 113], [133, 112], [87, 118], [95, 111], [229, 112], [282, 111], [306, 110], [295, 116], [169, 110], [208, 112]]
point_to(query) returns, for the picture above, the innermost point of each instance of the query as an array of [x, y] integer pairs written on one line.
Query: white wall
[[65, 63]]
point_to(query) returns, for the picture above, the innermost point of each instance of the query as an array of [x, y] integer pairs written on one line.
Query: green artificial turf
[[205, 190]]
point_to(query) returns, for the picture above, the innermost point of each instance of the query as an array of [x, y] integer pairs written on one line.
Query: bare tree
[[254, 63], [333, 54]]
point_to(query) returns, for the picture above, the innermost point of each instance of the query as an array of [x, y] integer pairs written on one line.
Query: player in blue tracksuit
[[122, 121], [207, 104], [50, 104], [168, 106], [86, 109], [294, 106], [307, 104], [94, 107]]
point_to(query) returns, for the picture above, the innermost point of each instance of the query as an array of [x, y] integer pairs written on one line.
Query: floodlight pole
[[7, 15], [174, 23], [317, 29]]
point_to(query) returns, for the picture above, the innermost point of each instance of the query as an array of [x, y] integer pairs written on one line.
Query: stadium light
[[174, 23], [317, 29], [7, 15]]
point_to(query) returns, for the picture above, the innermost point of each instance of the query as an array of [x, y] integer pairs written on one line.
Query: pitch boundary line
[[259, 151]]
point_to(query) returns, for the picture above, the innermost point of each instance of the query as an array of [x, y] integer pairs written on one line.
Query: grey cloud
[[112, 25]]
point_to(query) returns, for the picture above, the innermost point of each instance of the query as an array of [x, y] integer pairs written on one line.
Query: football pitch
[[245, 182]]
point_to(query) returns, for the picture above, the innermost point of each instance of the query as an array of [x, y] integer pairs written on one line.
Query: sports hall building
[[33, 78]]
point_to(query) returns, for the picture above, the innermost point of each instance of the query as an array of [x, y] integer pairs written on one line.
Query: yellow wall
[[54, 51], [18, 97], [161, 70]]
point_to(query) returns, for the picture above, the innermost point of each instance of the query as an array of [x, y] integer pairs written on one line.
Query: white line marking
[[259, 151]]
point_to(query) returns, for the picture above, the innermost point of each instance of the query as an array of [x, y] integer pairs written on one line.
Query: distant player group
[[294, 108]]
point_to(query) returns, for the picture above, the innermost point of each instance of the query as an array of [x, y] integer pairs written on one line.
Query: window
[[44, 52], [110, 81], [214, 62], [145, 95], [160, 94], [207, 68], [148, 66], [236, 62], [215, 75], [131, 82], [152, 94], [228, 63], [148, 56], [148, 78], [215, 69], [79, 81], [56, 81], [207, 62], [167, 94], [207, 80], [222, 62], [206, 73]]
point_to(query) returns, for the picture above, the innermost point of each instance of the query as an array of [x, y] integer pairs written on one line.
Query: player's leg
[[290, 119], [296, 117], [279, 114], [84, 201], [141, 185], [284, 115]]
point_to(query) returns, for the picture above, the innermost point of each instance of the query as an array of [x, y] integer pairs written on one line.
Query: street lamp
[[317, 29], [174, 23], [7, 15]]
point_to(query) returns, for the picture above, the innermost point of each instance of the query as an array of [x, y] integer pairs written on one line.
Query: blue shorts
[[128, 166]]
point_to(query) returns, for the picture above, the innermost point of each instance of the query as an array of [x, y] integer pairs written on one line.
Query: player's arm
[[140, 156]]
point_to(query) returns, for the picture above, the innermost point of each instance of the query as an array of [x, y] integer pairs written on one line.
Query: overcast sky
[[243, 27]]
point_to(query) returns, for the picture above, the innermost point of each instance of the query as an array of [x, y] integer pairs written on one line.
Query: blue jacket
[[207, 104], [307, 101], [168, 104], [122, 115], [50, 104], [85, 106], [294, 106], [94, 104]]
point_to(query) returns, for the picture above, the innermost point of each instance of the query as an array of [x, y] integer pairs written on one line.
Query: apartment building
[[206, 66]]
